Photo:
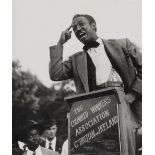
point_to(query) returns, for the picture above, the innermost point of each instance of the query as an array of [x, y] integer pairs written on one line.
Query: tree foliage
[[31, 99]]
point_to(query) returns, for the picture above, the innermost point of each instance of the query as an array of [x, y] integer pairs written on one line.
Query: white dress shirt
[[104, 70], [52, 145], [38, 151]]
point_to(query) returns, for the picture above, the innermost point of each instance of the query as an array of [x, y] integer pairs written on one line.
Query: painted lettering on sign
[[78, 109], [92, 134], [92, 122], [97, 107], [79, 118]]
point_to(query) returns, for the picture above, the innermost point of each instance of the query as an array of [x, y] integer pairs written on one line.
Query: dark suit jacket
[[123, 54]]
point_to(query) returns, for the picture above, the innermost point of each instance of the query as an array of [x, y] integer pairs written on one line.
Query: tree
[[24, 101], [32, 100]]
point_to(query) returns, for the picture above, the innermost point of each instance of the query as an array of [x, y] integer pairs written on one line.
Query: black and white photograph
[[76, 77]]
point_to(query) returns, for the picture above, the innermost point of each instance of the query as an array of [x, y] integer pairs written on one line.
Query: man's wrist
[[60, 44]]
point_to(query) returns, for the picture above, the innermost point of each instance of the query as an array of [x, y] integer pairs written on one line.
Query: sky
[[37, 24]]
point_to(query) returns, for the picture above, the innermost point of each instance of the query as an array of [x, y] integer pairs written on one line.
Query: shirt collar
[[53, 141], [38, 151]]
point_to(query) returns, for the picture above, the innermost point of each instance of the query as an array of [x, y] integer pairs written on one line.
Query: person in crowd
[[102, 63], [30, 136], [49, 138]]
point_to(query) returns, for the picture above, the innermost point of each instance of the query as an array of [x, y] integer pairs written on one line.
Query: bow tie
[[92, 44]]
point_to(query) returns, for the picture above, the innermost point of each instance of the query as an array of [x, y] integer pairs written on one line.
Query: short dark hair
[[90, 18], [49, 123]]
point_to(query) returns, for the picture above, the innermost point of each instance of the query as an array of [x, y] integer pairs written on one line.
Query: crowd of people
[[39, 138]]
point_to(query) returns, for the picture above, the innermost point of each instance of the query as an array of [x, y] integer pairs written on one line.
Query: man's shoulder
[[118, 41], [123, 42]]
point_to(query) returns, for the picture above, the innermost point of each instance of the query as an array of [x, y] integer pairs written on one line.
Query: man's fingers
[[69, 28], [68, 34]]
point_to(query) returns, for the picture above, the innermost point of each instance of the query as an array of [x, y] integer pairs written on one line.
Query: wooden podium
[[96, 123]]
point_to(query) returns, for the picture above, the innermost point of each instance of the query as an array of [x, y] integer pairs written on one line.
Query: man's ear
[[93, 26]]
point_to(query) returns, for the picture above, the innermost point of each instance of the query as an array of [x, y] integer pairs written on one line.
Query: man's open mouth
[[82, 35]]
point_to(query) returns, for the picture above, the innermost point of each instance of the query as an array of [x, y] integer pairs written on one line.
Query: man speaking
[[102, 63]]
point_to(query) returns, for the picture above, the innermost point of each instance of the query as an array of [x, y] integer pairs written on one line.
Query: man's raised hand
[[65, 36]]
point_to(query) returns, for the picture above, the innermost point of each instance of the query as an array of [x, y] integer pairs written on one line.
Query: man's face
[[33, 139], [50, 133], [84, 30]]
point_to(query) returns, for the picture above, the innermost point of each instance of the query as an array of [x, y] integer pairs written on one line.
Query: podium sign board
[[94, 123]]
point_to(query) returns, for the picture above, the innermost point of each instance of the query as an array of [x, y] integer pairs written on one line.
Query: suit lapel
[[81, 63], [117, 58]]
